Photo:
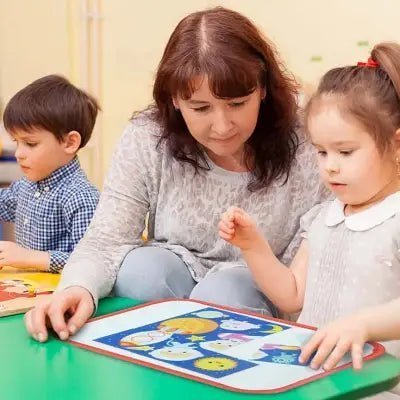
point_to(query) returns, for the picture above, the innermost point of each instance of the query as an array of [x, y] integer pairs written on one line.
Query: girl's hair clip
[[370, 63]]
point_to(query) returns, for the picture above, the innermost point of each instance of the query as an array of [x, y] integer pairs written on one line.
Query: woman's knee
[[151, 273], [233, 287]]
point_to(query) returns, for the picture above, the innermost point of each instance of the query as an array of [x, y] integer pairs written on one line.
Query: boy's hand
[[13, 255], [332, 342], [239, 229]]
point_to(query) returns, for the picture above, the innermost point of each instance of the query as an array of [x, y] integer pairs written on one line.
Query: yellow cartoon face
[[215, 363], [188, 326]]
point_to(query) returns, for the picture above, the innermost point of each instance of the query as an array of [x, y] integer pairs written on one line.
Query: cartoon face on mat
[[188, 326], [144, 338], [233, 325], [210, 314], [176, 353], [218, 345], [215, 363]]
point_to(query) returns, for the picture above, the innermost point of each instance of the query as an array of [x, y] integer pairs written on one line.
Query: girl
[[345, 276]]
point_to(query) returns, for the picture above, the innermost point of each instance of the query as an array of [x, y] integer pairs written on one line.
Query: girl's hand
[[239, 229], [332, 342]]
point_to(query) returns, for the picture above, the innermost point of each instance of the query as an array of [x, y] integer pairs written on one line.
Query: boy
[[52, 205]]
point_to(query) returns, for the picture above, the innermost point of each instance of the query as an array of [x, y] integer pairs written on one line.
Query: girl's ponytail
[[387, 55]]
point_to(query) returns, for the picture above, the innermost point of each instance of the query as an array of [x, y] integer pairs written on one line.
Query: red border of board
[[378, 349]]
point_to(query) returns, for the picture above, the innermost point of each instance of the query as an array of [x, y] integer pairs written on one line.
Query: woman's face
[[221, 126]]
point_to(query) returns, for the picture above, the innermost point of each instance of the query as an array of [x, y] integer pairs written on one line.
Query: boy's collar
[[366, 219], [59, 174]]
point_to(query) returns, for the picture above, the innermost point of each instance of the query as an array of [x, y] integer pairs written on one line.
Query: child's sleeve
[[8, 202], [396, 245], [78, 211], [307, 219], [308, 192], [301, 234]]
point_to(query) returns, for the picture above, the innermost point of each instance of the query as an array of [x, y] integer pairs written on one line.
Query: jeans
[[152, 273]]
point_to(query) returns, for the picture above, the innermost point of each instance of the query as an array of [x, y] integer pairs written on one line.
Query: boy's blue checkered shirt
[[52, 214]]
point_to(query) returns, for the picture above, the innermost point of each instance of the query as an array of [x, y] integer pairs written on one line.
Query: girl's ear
[[72, 141]]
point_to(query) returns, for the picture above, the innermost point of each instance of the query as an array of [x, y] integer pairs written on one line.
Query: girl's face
[[350, 163], [221, 126]]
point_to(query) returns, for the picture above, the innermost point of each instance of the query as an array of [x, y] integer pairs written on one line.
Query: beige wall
[[37, 38], [134, 33]]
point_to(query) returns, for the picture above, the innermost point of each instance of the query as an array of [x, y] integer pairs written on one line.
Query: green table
[[58, 371]]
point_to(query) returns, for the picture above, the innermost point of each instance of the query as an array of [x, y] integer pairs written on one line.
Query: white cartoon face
[[233, 325], [219, 345], [176, 353], [209, 314], [144, 338]]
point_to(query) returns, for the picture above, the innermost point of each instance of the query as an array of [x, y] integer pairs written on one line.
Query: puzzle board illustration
[[21, 290], [212, 344]]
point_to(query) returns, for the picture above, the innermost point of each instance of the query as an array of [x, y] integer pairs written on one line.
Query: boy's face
[[39, 153]]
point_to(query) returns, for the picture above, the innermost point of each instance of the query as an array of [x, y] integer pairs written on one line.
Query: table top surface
[[59, 370]]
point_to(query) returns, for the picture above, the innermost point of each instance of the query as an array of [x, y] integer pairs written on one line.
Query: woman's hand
[[65, 311], [332, 342], [239, 229]]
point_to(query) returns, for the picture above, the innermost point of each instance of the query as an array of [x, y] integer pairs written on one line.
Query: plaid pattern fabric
[[52, 214]]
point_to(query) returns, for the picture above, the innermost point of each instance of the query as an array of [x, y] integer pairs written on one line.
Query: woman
[[222, 131]]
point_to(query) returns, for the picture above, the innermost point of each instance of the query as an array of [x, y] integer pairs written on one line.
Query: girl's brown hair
[[227, 48], [369, 93]]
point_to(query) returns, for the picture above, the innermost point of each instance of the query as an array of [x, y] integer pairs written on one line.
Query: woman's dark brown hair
[[368, 93], [227, 48]]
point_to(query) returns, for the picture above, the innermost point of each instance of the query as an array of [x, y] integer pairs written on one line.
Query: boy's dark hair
[[54, 104]]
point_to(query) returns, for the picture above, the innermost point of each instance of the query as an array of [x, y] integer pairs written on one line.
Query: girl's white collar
[[366, 219]]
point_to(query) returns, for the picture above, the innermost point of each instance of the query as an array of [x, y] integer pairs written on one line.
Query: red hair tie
[[370, 63]]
